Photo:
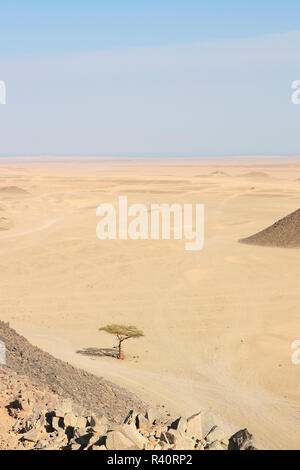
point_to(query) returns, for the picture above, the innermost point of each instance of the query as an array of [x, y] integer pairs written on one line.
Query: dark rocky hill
[[284, 233]]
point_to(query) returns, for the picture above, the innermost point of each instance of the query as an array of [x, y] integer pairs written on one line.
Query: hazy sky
[[149, 78]]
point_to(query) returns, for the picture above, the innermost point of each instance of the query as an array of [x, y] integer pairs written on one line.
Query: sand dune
[[5, 224], [213, 174], [255, 174], [12, 190]]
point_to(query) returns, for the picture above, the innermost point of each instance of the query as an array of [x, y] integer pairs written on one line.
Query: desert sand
[[218, 323]]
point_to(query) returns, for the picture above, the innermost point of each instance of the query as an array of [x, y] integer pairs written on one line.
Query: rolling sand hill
[[213, 174], [284, 233], [5, 224], [12, 190], [256, 174]]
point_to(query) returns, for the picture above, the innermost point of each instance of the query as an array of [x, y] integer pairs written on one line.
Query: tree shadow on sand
[[99, 352]]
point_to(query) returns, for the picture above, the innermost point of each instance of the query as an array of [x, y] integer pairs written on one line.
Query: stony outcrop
[[46, 404], [93, 394], [37, 419], [285, 233]]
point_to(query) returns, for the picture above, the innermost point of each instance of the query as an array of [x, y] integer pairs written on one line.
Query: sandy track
[[42, 227]]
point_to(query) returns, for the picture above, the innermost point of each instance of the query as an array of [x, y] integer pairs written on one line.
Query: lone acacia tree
[[122, 332]]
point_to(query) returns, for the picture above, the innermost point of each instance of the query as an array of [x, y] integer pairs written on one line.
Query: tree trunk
[[120, 350]]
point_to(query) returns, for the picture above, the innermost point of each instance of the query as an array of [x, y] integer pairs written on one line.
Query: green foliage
[[122, 332]]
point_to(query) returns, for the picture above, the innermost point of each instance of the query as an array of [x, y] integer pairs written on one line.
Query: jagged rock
[[152, 415], [164, 437], [99, 424], [117, 441], [200, 424], [180, 424], [194, 426], [41, 422], [57, 423], [41, 428], [131, 417], [42, 444], [75, 446], [208, 422], [96, 420], [149, 446], [100, 430], [216, 434], [97, 440], [77, 410], [241, 440], [157, 447], [133, 435], [199, 445], [79, 432], [184, 444], [98, 447], [64, 407], [171, 436], [163, 445], [81, 423], [143, 423], [180, 440], [33, 435], [82, 437], [216, 445], [25, 404], [71, 420], [60, 441]]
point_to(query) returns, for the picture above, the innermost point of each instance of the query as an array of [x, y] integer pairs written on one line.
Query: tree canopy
[[122, 332]]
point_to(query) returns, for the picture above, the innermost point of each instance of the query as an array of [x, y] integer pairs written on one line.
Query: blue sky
[[149, 77], [34, 27]]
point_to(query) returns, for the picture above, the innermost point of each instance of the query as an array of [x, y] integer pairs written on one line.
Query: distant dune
[[12, 190], [256, 174], [285, 233], [5, 223], [214, 173], [219, 173]]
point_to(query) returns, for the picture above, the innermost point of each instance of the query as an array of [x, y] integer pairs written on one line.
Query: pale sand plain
[[218, 323]]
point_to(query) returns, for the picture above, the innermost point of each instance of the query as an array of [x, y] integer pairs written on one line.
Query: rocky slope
[[93, 394], [32, 418], [284, 233], [46, 404]]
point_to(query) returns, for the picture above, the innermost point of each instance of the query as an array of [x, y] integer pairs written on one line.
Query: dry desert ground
[[218, 323]]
